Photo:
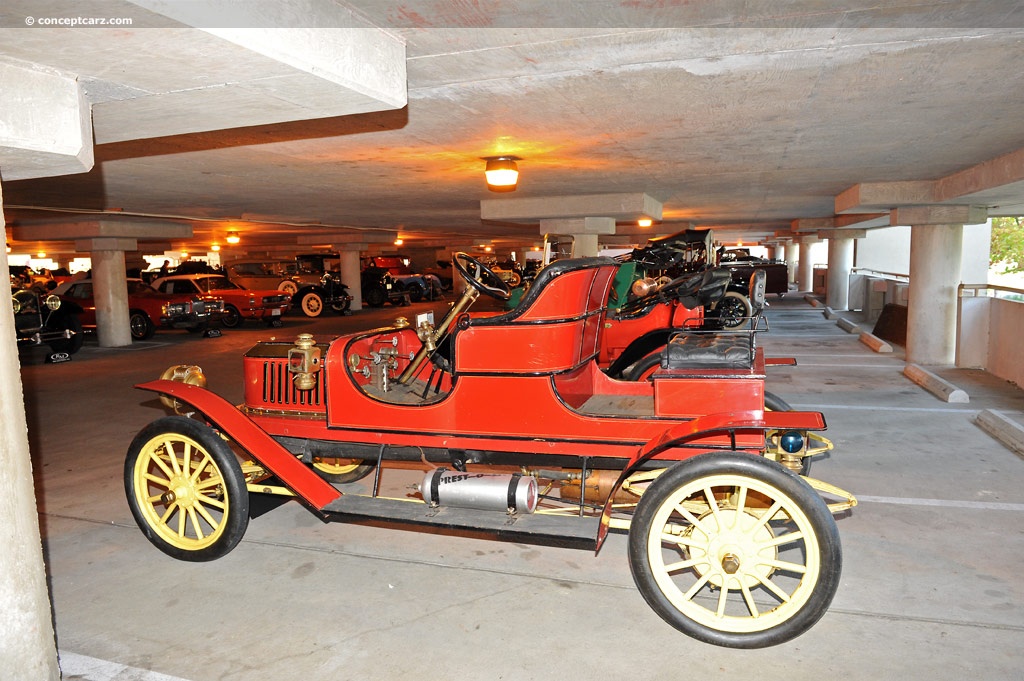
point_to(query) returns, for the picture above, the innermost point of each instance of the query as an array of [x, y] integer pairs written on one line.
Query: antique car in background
[[148, 309], [378, 287], [418, 286], [43, 319], [239, 303], [726, 541], [311, 291]]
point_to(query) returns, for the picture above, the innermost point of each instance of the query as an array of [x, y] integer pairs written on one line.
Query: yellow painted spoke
[[784, 539], [741, 502], [787, 566], [723, 599], [162, 482], [749, 598], [670, 538], [767, 516], [210, 501], [192, 516], [154, 499], [209, 483], [167, 514], [202, 466], [173, 457], [692, 519], [181, 522], [209, 518], [770, 585], [683, 564], [709, 494], [698, 585], [162, 463]]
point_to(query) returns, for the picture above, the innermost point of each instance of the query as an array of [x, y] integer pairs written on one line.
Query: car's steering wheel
[[500, 291]]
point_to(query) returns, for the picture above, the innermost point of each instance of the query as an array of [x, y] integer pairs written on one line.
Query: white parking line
[[73, 665], [977, 505]]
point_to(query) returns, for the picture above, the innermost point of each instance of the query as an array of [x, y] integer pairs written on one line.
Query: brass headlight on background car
[[53, 302]]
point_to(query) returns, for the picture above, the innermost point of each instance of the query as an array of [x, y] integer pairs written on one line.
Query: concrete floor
[[931, 586]]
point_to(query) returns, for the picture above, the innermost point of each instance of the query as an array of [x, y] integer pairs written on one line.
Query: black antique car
[[42, 319]]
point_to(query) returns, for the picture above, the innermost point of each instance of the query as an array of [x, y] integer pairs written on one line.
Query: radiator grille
[[279, 389]]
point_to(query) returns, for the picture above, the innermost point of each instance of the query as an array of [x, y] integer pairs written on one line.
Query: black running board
[[563, 531]]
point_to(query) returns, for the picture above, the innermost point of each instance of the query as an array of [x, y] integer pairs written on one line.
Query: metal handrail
[[987, 287], [893, 275]]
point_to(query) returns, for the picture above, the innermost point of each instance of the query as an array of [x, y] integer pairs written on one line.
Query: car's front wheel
[[375, 297], [186, 489], [67, 322]]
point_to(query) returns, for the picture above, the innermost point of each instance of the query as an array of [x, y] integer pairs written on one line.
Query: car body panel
[[251, 304]]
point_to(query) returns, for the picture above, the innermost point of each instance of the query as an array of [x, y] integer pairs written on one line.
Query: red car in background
[[239, 303], [147, 308]]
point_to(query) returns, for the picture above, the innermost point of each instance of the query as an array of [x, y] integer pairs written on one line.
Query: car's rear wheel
[[232, 317], [734, 310], [141, 326], [375, 297], [342, 471], [186, 489], [288, 286]]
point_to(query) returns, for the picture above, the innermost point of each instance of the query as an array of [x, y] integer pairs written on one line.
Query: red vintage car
[[239, 303], [726, 542], [148, 310]]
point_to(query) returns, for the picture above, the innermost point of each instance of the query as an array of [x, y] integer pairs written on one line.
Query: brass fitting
[[304, 362]]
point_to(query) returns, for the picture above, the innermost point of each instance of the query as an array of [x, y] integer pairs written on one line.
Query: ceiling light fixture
[[645, 222], [502, 173], [233, 238], [399, 242], [215, 247]]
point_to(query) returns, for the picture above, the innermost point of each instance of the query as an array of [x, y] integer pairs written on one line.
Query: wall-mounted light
[[233, 238], [502, 173], [645, 222]]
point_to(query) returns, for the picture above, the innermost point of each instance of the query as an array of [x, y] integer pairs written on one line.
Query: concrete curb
[[829, 313], [812, 300], [874, 342], [1009, 432], [847, 326], [942, 389]]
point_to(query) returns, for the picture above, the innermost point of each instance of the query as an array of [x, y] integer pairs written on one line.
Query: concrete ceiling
[[733, 115]]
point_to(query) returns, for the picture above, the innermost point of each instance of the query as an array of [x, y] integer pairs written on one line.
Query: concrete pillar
[[792, 256], [110, 289], [935, 255], [27, 645], [805, 273], [584, 232], [350, 274], [840, 262]]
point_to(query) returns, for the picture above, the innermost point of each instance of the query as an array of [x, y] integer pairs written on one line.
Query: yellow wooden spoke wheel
[[735, 550], [186, 489], [341, 471]]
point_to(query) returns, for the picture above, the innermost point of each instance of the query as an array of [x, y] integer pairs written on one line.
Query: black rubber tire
[[232, 317], [736, 535], [775, 403], [734, 310], [311, 303], [375, 297], [642, 369], [217, 488], [357, 472], [141, 325], [415, 293]]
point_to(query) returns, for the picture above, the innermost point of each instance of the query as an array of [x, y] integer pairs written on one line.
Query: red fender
[[265, 449], [702, 427]]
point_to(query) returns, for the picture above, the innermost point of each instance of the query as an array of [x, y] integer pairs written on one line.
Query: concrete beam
[[1000, 172], [617, 206], [803, 225], [102, 228], [938, 215], [877, 197], [862, 220], [578, 226], [843, 234], [353, 237], [45, 123], [106, 244]]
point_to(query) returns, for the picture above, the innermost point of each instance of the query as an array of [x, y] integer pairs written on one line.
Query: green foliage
[[1008, 244]]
